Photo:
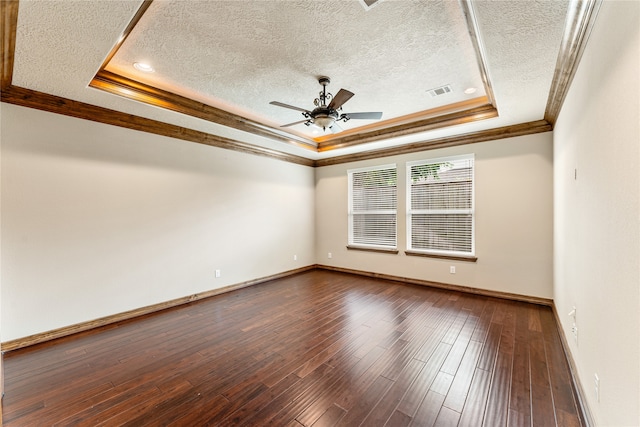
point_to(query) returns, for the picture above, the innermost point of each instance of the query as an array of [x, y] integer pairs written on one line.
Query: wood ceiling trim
[[141, 92], [9, 19], [131, 89], [574, 41], [407, 119], [55, 104], [484, 112], [529, 128], [136, 18], [581, 18], [474, 33]]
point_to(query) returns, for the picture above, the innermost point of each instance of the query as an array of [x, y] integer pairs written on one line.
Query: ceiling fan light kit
[[325, 116]]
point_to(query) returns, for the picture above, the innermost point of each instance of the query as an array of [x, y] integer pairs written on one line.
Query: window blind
[[440, 207], [373, 203]]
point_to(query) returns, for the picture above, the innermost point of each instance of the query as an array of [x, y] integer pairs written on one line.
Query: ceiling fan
[[326, 116]]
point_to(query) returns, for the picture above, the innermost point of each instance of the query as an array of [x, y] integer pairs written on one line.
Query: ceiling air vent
[[440, 90], [368, 4]]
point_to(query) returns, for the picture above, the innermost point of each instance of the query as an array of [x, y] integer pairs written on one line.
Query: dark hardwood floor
[[319, 348]]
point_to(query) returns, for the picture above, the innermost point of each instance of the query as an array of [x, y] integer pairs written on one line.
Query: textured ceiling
[[239, 55]]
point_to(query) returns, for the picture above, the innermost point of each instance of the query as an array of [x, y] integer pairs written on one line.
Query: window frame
[[351, 213], [439, 253]]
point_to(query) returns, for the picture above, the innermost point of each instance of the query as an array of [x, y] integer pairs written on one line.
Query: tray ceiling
[[217, 65]]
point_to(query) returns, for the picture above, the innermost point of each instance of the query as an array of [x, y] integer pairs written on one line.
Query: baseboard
[[578, 389], [128, 315], [447, 286]]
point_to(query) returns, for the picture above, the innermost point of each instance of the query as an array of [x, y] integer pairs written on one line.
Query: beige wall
[[513, 189], [97, 220], [597, 215]]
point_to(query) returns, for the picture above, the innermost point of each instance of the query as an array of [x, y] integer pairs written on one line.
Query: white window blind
[[373, 203], [440, 211]]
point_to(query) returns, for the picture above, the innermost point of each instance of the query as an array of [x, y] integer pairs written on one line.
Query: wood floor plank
[[330, 417], [336, 389], [398, 419], [496, 412], [490, 349], [457, 394], [420, 387], [474, 407], [542, 410], [317, 348], [428, 410], [484, 323], [250, 408], [365, 402], [288, 404], [447, 418], [518, 419], [520, 399], [383, 411]]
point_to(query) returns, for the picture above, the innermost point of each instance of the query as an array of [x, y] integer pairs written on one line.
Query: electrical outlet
[[329, 255], [295, 257], [218, 273], [574, 328], [452, 269], [596, 383]]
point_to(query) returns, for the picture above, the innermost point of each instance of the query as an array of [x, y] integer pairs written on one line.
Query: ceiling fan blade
[[371, 116], [295, 123], [280, 104], [341, 97]]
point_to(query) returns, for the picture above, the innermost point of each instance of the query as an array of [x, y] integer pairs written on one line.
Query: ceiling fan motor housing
[[324, 117]]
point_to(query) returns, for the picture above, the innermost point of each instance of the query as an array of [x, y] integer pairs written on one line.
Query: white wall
[[97, 220], [597, 215], [513, 184]]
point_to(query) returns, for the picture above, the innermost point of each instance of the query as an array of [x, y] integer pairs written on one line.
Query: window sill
[[366, 249], [467, 258]]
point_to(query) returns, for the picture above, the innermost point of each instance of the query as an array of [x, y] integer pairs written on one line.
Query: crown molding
[[411, 124], [483, 112], [478, 45], [55, 104], [9, 19], [134, 90], [581, 18], [451, 141]]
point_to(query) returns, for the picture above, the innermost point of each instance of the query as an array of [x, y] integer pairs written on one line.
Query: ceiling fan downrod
[[323, 97]]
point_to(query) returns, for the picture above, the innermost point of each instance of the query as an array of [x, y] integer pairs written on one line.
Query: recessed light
[[470, 90], [141, 66]]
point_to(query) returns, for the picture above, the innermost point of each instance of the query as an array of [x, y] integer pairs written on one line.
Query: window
[[440, 211], [373, 203]]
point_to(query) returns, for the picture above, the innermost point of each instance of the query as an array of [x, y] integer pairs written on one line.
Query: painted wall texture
[[513, 223], [98, 220], [597, 215]]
